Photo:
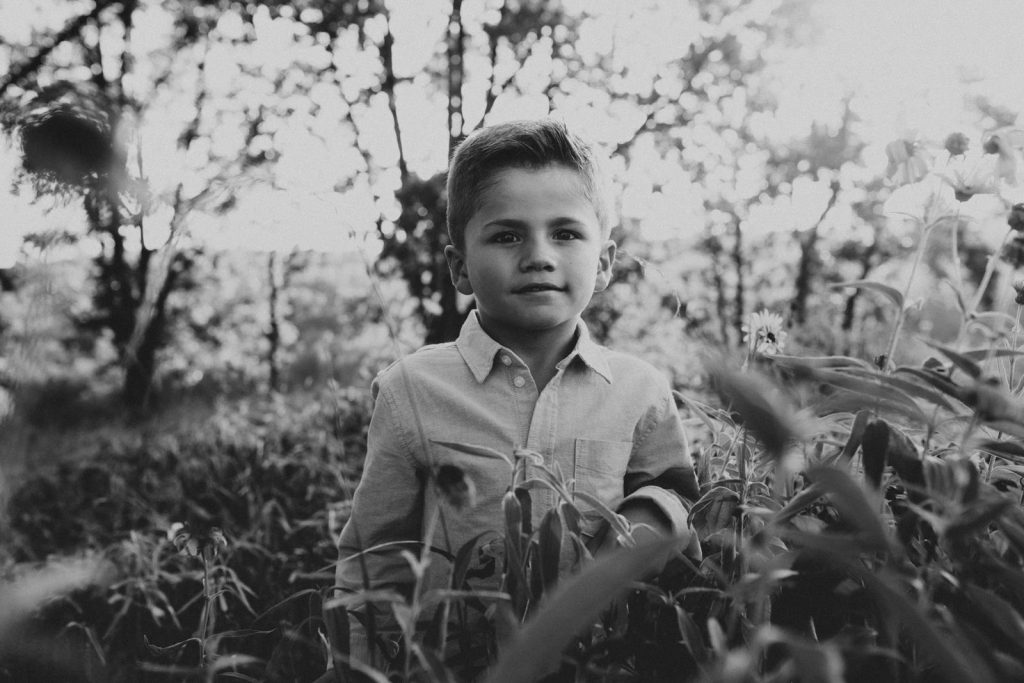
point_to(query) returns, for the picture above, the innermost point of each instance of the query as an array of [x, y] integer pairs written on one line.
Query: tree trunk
[[737, 259], [274, 329], [446, 325], [865, 269], [809, 262], [140, 358]]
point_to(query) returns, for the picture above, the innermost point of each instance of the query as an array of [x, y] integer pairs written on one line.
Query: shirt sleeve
[[661, 469], [386, 508]]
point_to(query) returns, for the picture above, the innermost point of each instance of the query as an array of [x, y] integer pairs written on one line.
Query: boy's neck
[[541, 350]]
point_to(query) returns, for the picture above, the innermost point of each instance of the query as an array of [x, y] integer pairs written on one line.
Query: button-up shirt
[[606, 420]]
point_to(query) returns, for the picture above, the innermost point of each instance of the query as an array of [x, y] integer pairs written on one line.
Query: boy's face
[[534, 253]]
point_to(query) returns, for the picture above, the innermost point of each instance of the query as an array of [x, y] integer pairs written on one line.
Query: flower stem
[[204, 619], [901, 316], [990, 269]]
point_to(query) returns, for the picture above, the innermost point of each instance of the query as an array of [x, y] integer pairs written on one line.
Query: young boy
[[529, 226]]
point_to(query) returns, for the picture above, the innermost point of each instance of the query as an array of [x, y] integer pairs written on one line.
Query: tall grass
[[859, 519]]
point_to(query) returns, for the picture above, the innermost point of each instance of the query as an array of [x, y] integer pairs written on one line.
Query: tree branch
[[32, 64], [456, 72], [388, 86]]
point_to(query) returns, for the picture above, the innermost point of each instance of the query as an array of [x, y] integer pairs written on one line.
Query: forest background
[[220, 219]]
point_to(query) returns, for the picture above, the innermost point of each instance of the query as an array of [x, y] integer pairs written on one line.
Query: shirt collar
[[479, 350]]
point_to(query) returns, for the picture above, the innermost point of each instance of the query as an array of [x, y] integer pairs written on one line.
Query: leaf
[[1012, 428], [798, 502], [715, 510], [700, 410], [961, 361], [474, 450], [913, 389], [821, 662], [953, 662], [890, 292], [998, 614], [172, 650], [873, 449], [979, 355], [338, 637], [871, 384], [550, 548], [978, 517], [526, 506], [717, 638], [852, 504], [1000, 323], [856, 434], [691, 634], [515, 569], [937, 380], [432, 664], [348, 600], [845, 401], [464, 557], [903, 456], [1010, 450], [231, 661], [536, 649], [614, 519], [819, 361], [20, 598], [764, 410]]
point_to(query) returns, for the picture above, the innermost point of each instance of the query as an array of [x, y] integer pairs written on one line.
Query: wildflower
[[957, 144], [1006, 143], [455, 487], [196, 543], [970, 177], [765, 333], [1016, 218], [1018, 287], [909, 161]]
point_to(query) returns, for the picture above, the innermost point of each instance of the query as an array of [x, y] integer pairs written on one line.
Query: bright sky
[[904, 58]]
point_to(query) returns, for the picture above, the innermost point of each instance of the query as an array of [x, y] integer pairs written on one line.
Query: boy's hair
[[532, 144]]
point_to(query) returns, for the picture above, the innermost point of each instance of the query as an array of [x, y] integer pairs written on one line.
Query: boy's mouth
[[537, 287]]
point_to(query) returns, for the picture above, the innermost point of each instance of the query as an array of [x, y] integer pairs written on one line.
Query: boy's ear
[[605, 261], [457, 267]]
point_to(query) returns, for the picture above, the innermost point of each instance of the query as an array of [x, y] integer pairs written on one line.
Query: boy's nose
[[537, 256]]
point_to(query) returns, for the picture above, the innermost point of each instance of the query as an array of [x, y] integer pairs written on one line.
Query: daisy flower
[[765, 333]]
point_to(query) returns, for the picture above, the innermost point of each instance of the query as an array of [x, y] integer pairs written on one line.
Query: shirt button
[[505, 360], [519, 381]]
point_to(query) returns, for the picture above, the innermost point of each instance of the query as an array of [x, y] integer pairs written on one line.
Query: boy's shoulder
[[626, 367], [432, 358]]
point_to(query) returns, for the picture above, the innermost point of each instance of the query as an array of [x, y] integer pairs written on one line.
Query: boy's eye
[[564, 234], [505, 238]]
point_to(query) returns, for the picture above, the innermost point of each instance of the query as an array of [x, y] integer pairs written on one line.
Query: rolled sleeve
[[660, 468]]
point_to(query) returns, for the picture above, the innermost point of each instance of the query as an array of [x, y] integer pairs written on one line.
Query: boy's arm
[[386, 509], [660, 482]]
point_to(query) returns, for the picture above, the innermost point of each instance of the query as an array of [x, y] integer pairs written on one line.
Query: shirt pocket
[[600, 470]]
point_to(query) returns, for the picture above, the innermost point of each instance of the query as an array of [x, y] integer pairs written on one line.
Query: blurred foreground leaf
[[20, 598], [536, 649], [760, 404]]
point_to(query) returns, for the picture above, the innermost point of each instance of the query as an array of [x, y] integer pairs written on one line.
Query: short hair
[[530, 144]]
